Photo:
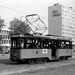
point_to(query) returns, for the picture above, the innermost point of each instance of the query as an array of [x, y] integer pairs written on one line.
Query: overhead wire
[[27, 12], [18, 10], [13, 9]]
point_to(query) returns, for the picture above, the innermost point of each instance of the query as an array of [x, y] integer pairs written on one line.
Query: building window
[[2, 31], [7, 32], [8, 37], [2, 41]]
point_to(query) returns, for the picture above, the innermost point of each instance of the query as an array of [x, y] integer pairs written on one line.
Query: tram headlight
[[15, 54]]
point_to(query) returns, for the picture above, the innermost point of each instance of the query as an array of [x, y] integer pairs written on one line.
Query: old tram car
[[38, 48]]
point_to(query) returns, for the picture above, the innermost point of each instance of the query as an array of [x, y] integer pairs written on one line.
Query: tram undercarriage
[[40, 60]]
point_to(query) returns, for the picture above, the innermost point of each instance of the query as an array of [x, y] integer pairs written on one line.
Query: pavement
[[73, 56], [5, 56]]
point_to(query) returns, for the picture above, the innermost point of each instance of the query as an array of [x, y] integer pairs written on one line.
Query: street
[[62, 70], [66, 67]]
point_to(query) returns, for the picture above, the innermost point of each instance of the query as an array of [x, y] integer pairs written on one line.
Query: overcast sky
[[17, 8]]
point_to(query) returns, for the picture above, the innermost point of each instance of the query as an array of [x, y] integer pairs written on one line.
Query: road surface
[[51, 68]]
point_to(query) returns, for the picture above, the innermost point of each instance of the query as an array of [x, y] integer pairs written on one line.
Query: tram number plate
[[45, 51]]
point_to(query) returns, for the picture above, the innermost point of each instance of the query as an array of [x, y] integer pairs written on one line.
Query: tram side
[[37, 48], [62, 49]]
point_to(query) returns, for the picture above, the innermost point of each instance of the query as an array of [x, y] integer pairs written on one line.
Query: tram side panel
[[64, 52], [64, 48], [35, 53]]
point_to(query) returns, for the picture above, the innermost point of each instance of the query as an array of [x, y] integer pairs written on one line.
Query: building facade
[[5, 39], [61, 21]]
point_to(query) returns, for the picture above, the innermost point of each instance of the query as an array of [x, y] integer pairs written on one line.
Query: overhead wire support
[[33, 20]]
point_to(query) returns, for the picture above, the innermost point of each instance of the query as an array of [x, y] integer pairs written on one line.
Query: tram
[[39, 48]]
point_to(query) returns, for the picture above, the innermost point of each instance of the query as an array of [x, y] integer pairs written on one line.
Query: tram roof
[[64, 38], [60, 37], [43, 36], [35, 36]]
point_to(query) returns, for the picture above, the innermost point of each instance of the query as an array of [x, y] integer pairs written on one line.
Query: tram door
[[54, 48]]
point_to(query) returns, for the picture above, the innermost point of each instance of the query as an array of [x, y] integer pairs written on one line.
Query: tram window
[[13, 43], [36, 43], [64, 44], [22, 43], [67, 44], [49, 44], [45, 44], [61, 44], [18, 43], [29, 43]]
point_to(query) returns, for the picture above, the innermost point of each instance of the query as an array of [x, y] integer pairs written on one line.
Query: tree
[[18, 27], [1, 23]]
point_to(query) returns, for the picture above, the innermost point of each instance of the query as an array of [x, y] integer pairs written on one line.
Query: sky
[[10, 9]]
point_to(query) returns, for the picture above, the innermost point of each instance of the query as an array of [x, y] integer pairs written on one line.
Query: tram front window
[[15, 43], [22, 43]]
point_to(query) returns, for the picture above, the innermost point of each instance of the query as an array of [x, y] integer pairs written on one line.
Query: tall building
[[5, 39], [61, 21]]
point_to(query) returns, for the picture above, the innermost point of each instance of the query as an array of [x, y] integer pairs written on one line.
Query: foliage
[[1, 23], [18, 27]]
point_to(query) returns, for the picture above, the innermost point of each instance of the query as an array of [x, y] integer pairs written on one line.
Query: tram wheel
[[37, 61], [45, 60], [31, 61], [59, 59], [66, 58], [19, 61]]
